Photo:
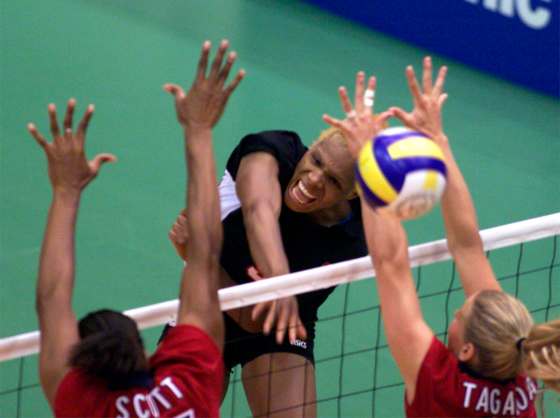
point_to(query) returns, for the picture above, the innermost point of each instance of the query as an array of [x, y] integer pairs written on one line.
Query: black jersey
[[306, 243]]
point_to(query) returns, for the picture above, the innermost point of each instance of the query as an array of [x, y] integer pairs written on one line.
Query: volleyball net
[[355, 373]]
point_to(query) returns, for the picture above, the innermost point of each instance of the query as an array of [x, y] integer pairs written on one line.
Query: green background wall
[[118, 53]]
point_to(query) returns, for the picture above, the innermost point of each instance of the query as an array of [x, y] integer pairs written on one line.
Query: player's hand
[[68, 168], [203, 105], [284, 314], [428, 101], [179, 235], [360, 125]]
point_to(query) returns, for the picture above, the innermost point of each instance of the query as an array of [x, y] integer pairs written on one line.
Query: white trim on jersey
[[229, 201]]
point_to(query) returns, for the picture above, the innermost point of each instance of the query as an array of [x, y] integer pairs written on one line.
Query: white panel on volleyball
[[415, 199]]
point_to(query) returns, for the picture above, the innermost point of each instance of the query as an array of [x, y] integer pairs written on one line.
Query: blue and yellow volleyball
[[403, 171]]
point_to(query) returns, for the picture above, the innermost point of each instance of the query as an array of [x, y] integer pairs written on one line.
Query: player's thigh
[[280, 385]]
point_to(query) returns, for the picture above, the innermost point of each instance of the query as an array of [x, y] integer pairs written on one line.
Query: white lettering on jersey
[[140, 412], [146, 405], [521, 406], [160, 398], [482, 404], [121, 401], [534, 18], [495, 402], [169, 383], [470, 386], [509, 404], [531, 388], [187, 414]]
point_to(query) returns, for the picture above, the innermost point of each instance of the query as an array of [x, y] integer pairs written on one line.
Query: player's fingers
[[36, 135], [359, 92], [270, 318], [259, 309], [441, 100], [336, 123], [427, 75], [282, 323], [400, 114], [413, 84], [101, 159], [293, 326], [217, 63], [69, 114], [382, 118], [52, 118], [175, 90], [233, 85], [344, 100], [84, 123], [224, 72], [440, 81], [203, 61], [369, 94], [301, 331]]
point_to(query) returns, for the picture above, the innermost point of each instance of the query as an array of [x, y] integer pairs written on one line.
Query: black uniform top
[[306, 243]]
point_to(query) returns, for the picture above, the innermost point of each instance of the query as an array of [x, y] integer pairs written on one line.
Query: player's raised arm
[[198, 111], [458, 209], [407, 333], [69, 173]]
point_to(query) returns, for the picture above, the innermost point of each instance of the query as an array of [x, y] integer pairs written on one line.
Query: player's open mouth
[[301, 194]]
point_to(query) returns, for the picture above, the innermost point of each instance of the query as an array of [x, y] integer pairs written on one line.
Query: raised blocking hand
[[360, 124], [425, 117], [68, 167], [203, 105]]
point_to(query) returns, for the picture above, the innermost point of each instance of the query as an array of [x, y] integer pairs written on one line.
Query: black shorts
[[241, 346]]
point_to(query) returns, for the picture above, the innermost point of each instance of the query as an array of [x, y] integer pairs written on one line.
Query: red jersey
[[443, 389], [188, 376]]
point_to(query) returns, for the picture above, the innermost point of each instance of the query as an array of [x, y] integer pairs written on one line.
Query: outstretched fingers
[[84, 123], [55, 131], [224, 72], [427, 75], [203, 61], [440, 80], [344, 100], [335, 123], [40, 139], [233, 85], [69, 114], [413, 84], [217, 63], [359, 92], [99, 160]]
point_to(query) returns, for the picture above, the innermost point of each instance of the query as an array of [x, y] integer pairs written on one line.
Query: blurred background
[[118, 53]]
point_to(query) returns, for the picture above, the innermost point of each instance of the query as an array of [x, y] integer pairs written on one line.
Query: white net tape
[[305, 281]]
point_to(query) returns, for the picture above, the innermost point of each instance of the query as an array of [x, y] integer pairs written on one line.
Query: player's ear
[[467, 352]]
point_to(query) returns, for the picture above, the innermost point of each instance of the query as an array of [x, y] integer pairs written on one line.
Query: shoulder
[[285, 146], [75, 392]]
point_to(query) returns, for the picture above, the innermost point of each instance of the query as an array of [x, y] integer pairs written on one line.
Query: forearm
[[462, 231], [57, 261], [265, 240], [203, 205], [458, 210]]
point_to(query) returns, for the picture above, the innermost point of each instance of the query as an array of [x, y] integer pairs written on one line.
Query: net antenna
[[309, 280]]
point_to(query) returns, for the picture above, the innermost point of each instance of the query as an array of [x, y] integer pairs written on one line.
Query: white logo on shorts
[[300, 343]]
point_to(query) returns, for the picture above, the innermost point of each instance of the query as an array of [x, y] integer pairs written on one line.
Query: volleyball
[[401, 170]]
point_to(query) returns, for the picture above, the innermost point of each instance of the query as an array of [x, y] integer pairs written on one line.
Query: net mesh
[[355, 374]]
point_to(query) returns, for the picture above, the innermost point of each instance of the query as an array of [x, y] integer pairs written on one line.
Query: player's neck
[[333, 215]]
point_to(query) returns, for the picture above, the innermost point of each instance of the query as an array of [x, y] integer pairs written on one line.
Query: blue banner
[[518, 40]]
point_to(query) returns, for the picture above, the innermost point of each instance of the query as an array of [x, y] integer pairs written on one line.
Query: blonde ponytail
[[541, 352]]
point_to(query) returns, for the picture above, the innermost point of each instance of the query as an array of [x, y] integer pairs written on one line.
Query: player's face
[[456, 331], [323, 177]]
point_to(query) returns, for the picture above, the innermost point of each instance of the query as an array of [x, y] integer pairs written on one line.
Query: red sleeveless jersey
[[446, 389], [188, 376]]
